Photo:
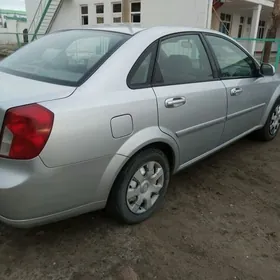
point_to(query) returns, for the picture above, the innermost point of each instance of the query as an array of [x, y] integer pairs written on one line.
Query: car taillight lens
[[25, 131]]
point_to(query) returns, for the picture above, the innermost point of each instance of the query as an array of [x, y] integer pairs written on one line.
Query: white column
[[235, 24], [254, 27], [209, 14]]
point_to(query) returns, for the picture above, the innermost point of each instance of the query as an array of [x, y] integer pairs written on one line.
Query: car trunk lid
[[16, 91]]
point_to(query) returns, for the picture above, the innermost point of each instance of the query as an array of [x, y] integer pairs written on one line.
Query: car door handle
[[236, 91], [175, 102]]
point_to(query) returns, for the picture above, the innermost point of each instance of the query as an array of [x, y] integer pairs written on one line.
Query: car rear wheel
[[140, 187], [272, 125]]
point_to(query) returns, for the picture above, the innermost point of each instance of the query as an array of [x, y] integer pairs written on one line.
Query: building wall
[[156, 12], [69, 15], [16, 26], [31, 7], [13, 26], [176, 12]]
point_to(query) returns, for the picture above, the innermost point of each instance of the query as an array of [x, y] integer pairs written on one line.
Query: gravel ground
[[220, 221]]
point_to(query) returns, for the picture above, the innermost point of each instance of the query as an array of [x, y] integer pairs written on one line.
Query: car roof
[[132, 29], [178, 29], [121, 28]]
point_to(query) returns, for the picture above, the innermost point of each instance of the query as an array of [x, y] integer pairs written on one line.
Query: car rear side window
[[141, 73], [182, 59], [66, 57]]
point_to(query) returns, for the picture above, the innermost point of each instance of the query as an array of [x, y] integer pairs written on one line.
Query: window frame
[[99, 15], [257, 66], [138, 62], [224, 21], [132, 13], [151, 74], [240, 27], [116, 14], [84, 15], [261, 29], [208, 55]]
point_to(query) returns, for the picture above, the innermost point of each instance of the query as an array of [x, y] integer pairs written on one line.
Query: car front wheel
[[272, 125], [140, 187]]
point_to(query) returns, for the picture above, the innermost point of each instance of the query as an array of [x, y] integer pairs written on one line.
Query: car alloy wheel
[[275, 121]]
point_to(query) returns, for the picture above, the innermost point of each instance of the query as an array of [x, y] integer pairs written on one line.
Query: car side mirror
[[267, 69]]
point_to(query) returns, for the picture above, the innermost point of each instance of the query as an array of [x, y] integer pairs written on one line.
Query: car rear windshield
[[66, 58]]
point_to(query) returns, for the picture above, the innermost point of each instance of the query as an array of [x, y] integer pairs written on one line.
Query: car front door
[[246, 92], [191, 100]]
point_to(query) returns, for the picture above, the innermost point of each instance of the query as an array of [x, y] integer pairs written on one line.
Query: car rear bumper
[[33, 222], [32, 194]]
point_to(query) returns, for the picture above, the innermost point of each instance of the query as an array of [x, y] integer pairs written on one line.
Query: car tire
[[270, 130], [137, 193]]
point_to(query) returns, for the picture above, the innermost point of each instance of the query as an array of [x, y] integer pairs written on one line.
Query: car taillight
[[25, 131]]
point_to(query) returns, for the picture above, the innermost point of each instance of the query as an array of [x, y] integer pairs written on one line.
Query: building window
[[117, 12], [249, 21], [84, 14], [99, 13], [240, 28], [135, 12], [261, 29], [225, 24]]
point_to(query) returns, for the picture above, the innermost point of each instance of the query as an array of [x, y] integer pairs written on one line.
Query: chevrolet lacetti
[[101, 118]]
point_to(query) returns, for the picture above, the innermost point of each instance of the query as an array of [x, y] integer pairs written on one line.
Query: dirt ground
[[221, 220]]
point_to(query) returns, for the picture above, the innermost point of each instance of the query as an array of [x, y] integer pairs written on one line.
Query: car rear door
[[191, 99], [246, 92]]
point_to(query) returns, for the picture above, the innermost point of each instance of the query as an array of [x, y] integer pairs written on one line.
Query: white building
[[73, 13], [11, 23], [243, 19], [238, 18]]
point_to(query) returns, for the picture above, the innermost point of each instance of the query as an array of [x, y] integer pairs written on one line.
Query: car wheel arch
[[272, 101], [152, 137], [157, 139]]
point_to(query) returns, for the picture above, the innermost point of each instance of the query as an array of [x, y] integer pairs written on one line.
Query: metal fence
[[259, 51]]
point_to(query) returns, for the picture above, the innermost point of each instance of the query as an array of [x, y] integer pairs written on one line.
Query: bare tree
[[272, 31], [125, 11]]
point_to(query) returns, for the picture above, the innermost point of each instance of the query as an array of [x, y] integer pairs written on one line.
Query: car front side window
[[233, 61]]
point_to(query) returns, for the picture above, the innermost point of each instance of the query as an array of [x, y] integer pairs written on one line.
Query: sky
[[12, 4]]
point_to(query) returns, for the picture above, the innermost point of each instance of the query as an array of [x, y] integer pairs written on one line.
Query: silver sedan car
[[101, 118]]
